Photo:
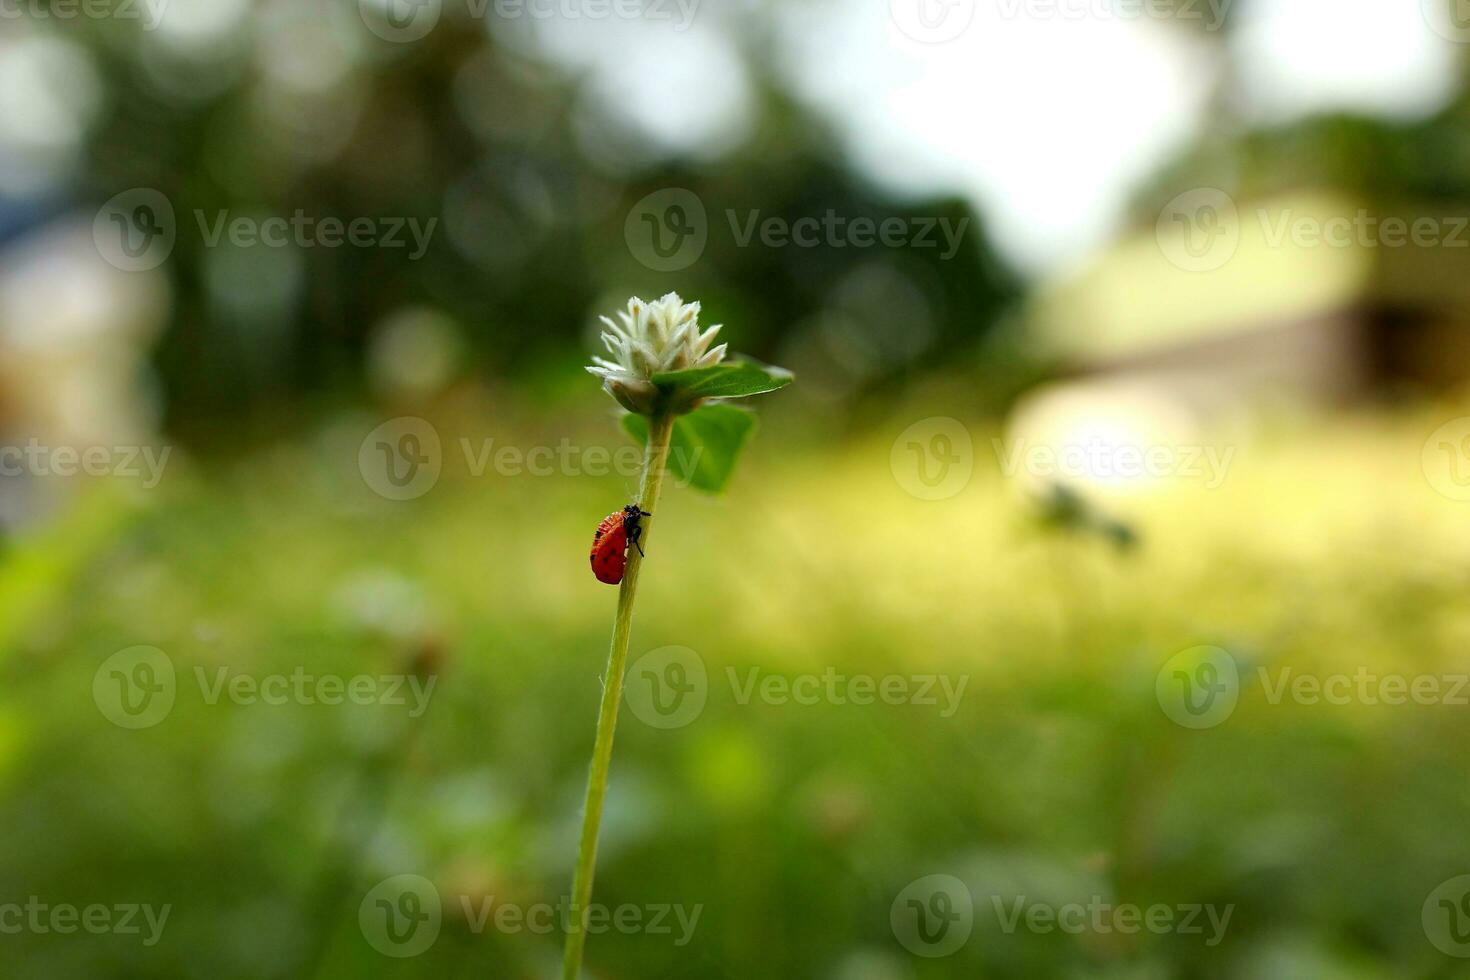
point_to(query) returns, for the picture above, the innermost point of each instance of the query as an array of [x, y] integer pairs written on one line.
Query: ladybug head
[[634, 512]]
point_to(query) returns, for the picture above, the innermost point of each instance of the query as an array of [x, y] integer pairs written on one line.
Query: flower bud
[[651, 339]]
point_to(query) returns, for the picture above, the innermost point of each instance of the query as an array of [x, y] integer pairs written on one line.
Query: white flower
[[652, 338]]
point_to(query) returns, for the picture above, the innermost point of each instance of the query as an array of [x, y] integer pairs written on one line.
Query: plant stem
[[660, 429]]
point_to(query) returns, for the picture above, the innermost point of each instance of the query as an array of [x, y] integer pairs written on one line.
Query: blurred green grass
[[794, 827]]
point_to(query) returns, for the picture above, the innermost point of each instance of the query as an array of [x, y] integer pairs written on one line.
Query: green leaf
[[705, 444], [733, 380]]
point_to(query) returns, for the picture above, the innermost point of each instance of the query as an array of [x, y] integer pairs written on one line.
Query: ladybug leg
[[633, 537]]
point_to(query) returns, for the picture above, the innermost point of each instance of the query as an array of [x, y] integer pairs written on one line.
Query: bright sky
[[1045, 112], [1043, 121], [1048, 119], [1375, 56]]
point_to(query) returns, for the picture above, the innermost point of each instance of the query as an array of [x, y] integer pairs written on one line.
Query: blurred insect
[[1061, 508], [610, 543]]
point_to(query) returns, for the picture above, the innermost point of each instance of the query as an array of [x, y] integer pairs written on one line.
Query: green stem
[[660, 429]]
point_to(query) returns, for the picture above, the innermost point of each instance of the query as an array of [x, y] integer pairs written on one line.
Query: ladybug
[[610, 543]]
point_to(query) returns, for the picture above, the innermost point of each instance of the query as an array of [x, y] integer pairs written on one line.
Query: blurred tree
[[308, 115], [1378, 158]]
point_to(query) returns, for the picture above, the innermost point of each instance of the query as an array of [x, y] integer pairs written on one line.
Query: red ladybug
[[610, 544]]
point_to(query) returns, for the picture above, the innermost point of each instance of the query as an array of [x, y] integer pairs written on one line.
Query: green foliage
[[793, 825], [706, 443], [734, 380], [520, 287]]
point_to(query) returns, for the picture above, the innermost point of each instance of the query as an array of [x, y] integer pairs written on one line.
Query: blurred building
[[1317, 296], [75, 336]]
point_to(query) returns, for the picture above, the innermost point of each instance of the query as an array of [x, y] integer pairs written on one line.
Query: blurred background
[[1129, 453]]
